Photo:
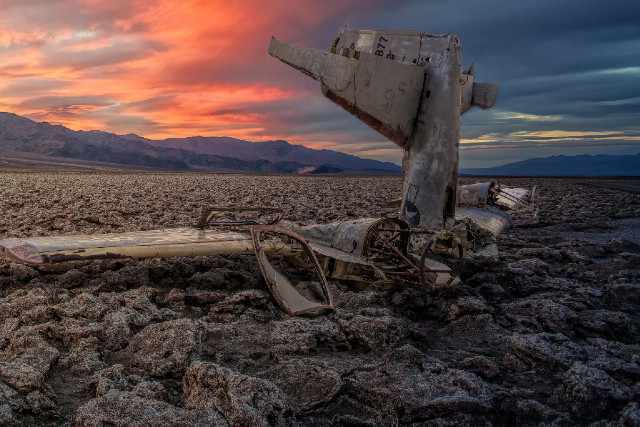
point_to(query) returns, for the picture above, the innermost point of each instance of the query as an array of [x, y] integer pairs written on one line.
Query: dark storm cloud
[[578, 60]]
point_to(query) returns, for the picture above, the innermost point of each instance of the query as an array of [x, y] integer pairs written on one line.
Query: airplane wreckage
[[408, 86]]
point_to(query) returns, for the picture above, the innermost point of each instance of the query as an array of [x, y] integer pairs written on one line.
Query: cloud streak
[[569, 70]]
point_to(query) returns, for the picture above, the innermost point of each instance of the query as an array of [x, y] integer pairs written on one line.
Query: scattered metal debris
[[490, 205], [408, 86]]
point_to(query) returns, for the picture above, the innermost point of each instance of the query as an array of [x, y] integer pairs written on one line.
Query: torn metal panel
[[515, 198], [361, 250], [355, 237], [484, 95], [340, 265], [476, 195], [142, 244], [385, 95], [265, 239], [490, 219]]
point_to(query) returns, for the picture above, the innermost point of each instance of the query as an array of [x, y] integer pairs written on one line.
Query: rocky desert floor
[[548, 334]]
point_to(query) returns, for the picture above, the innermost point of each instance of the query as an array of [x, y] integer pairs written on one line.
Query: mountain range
[[24, 142], [581, 165], [22, 138]]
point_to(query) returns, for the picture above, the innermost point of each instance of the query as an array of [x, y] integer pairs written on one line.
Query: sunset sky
[[569, 70]]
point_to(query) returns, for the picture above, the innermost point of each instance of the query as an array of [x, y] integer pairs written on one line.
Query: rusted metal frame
[[373, 234], [423, 267], [271, 282], [511, 197], [410, 265], [208, 213]]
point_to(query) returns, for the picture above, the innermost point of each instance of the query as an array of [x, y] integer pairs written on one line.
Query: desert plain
[[547, 334]]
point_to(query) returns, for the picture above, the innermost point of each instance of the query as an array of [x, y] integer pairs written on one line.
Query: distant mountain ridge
[[21, 135], [580, 165]]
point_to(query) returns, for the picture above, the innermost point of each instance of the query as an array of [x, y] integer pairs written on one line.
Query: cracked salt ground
[[547, 334], [621, 229]]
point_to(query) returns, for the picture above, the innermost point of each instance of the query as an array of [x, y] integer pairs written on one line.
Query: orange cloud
[[166, 68]]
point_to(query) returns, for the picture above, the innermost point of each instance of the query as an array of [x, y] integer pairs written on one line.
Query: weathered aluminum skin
[[476, 195], [409, 47], [142, 244], [409, 87], [351, 237], [491, 219], [515, 198], [383, 94]]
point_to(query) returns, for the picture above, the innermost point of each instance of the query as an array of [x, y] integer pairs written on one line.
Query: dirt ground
[[548, 334]]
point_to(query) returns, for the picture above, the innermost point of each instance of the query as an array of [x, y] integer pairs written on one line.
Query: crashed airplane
[[408, 86]]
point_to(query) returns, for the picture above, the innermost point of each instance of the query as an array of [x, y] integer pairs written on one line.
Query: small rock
[[72, 279], [25, 364], [308, 383], [481, 365], [468, 305], [623, 295], [545, 312], [22, 273], [590, 391], [127, 409], [150, 390], [374, 333], [165, 348], [528, 267], [111, 378], [175, 296], [610, 324], [542, 253], [242, 400], [201, 298], [630, 415], [552, 349]]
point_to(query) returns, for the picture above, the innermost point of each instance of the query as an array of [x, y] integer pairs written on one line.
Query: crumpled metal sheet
[[353, 237], [491, 219], [476, 195], [383, 94], [516, 198], [280, 286], [417, 48]]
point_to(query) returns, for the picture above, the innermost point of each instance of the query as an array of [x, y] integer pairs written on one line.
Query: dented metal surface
[[282, 289], [491, 205], [374, 251], [516, 198], [476, 195], [489, 218], [356, 84], [408, 86], [353, 237]]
